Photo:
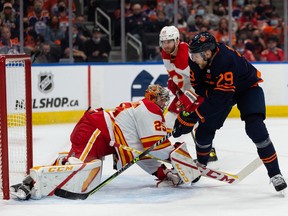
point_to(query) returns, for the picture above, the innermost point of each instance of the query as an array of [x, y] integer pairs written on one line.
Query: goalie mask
[[158, 95]]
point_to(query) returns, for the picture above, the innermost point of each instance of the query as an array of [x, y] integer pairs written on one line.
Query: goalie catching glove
[[184, 123], [165, 174]]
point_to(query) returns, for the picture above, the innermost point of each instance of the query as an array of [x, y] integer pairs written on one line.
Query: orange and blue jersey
[[227, 75]]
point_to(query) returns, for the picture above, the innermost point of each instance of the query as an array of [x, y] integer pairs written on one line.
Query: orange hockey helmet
[[158, 94]]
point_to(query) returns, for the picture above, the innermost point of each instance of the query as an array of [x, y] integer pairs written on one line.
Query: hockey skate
[[278, 182], [213, 155], [20, 191], [167, 177]]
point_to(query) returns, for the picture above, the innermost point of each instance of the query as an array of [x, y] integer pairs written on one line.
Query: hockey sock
[[269, 157], [203, 153]]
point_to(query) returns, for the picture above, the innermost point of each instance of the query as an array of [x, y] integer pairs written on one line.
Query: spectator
[[77, 44], [9, 18], [222, 12], [53, 6], [202, 11], [117, 21], [272, 53], [257, 44], [274, 27], [56, 34], [264, 9], [48, 4], [8, 45], [248, 30], [39, 18], [151, 10], [237, 8], [222, 33], [98, 47], [28, 7], [168, 8], [247, 17], [63, 15], [197, 24], [84, 32], [160, 22], [137, 23], [183, 9], [91, 7], [30, 37], [46, 54], [127, 8], [182, 24], [240, 47]]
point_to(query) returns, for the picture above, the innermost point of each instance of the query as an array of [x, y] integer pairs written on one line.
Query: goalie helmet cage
[[15, 120]]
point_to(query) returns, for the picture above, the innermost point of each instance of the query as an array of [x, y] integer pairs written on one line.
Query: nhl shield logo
[[45, 83]]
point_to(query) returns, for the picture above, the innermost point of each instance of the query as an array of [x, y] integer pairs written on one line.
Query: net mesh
[[16, 121]]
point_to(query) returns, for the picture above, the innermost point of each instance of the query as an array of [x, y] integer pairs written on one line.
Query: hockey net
[[15, 120]]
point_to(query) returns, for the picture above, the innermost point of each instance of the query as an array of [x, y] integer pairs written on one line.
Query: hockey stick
[[226, 177], [210, 173], [128, 148], [71, 195]]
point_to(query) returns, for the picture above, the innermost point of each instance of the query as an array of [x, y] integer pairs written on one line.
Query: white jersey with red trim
[[139, 125], [178, 68]]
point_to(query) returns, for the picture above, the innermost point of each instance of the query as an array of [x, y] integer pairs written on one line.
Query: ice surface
[[134, 192]]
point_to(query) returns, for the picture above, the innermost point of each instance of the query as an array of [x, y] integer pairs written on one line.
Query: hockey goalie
[[137, 125]]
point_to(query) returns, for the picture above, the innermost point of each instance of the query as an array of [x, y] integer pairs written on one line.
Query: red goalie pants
[[83, 132]]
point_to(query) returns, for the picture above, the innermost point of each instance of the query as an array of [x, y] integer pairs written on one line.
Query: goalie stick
[[74, 196], [210, 173]]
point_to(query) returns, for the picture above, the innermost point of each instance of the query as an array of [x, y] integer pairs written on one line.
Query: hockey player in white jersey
[[99, 133]]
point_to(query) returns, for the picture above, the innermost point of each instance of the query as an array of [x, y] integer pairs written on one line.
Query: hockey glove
[[189, 101], [172, 86], [165, 174], [184, 123]]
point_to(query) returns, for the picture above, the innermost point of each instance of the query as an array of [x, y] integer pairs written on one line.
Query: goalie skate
[[20, 191], [172, 180]]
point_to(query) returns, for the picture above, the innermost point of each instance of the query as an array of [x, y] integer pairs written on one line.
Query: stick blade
[[251, 167], [70, 195]]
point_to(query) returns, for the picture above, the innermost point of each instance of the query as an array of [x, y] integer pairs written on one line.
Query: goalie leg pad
[[184, 165], [77, 178]]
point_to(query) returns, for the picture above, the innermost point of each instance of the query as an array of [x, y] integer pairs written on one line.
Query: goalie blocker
[[75, 176]]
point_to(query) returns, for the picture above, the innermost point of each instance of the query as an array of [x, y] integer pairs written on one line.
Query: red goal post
[[15, 120]]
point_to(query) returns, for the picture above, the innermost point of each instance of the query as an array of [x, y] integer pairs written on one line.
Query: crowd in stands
[[257, 27], [46, 32], [255, 24]]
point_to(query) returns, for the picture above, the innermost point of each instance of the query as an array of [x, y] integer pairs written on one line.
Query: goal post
[[15, 120]]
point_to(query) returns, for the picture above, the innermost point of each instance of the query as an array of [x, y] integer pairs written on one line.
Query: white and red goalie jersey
[[139, 125], [134, 124]]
